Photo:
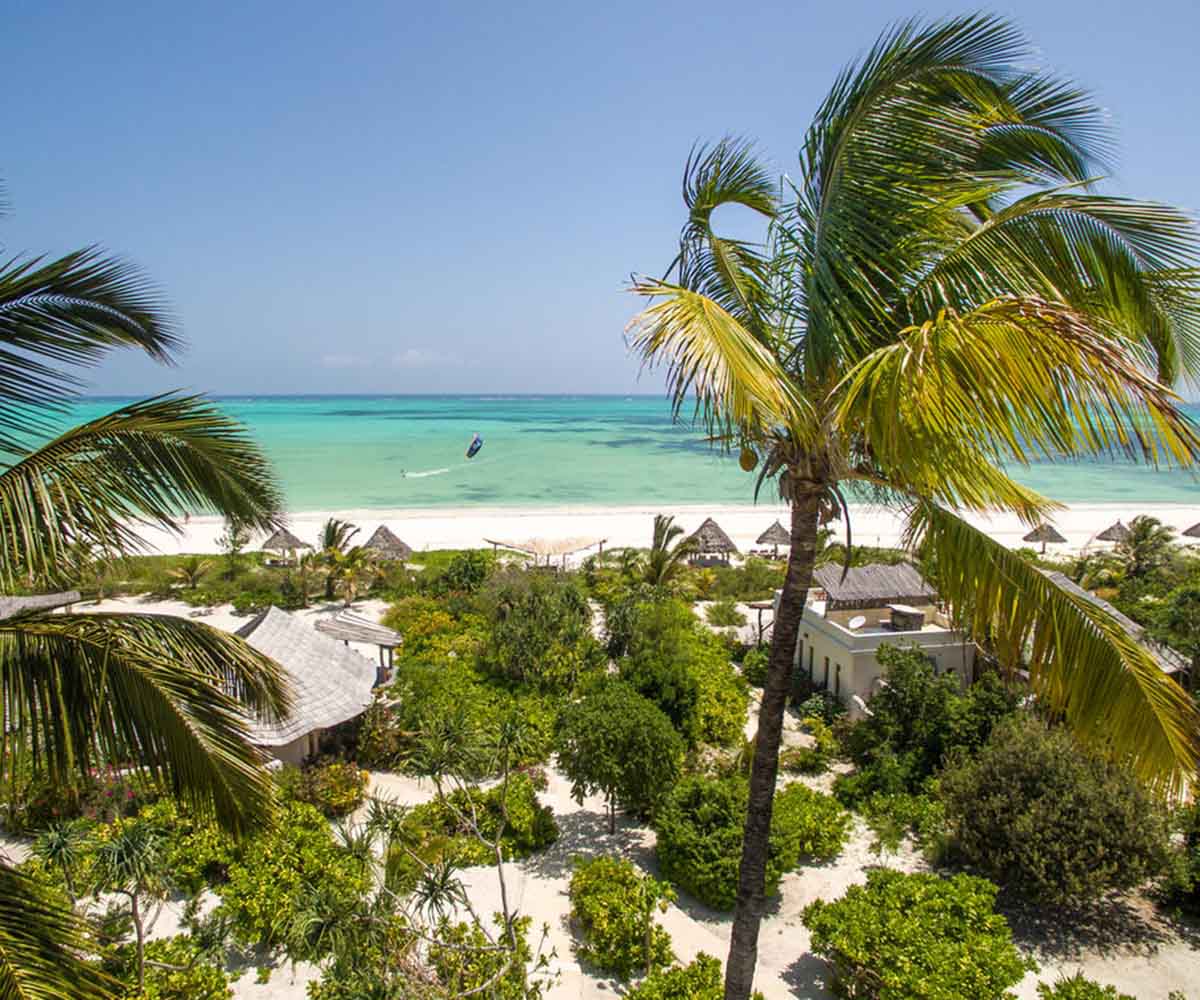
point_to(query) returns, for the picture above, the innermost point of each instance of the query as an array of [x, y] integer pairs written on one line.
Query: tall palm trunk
[[743, 945]]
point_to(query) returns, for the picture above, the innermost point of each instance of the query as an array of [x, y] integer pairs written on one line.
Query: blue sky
[[450, 197]]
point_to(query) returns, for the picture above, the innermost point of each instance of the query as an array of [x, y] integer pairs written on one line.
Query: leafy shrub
[[755, 580], [1078, 987], [195, 853], [464, 572], [466, 962], [892, 817], [1183, 887], [32, 804], [813, 759], [175, 970], [917, 937], [334, 787], [280, 867], [614, 741], [1049, 819], [755, 665], [700, 979], [821, 705], [700, 829], [541, 632], [724, 614], [685, 670], [614, 905]]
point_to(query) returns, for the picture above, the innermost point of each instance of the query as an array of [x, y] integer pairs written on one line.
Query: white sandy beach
[[468, 527]]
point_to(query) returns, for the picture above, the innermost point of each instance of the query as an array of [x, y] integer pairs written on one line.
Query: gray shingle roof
[[873, 586], [10, 606], [1167, 658], [346, 626], [331, 683]]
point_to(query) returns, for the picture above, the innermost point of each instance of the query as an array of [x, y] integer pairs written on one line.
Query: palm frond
[[42, 942], [143, 464], [69, 311], [1081, 662], [736, 383], [164, 696], [1014, 378]]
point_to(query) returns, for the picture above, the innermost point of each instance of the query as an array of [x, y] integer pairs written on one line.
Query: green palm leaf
[[1081, 662], [140, 465], [41, 942], [70, 311], [164, 696]]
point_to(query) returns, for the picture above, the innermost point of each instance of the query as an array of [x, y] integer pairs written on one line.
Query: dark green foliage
[[917, 718], [465, 572], [895, 816], [755, 580], [614, 741], [1049, 819], [1078, 987], [685, 670], [1183, 888], [917, 937], [755, 664], [334, 787], [613, 904], [823, 705], [700, 835], [724, 613], [541, 632], [698, 980]]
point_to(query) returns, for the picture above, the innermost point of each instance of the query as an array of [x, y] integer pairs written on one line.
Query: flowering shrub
[[335, 787], [613, 905]]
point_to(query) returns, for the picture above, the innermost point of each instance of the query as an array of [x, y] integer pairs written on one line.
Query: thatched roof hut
[[1115, 533], [873, 586], [1168, 659], [1044, 533], [710, 540], [775, 536], [10, 607], [330, 682], [284, 542], [385, 545], [1193, 531]]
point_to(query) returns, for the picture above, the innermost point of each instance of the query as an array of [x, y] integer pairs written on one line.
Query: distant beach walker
[[385, 453]]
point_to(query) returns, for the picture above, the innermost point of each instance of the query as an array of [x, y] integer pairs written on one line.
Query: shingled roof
[[12, 606], [1168, 659], [330, 682], [386, 545], [873, 586]]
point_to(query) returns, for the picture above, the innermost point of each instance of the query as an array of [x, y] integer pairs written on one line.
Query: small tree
[[128, 860], [232, 542], [1178, 625], [63, 845], [191, 571], [614, 741]]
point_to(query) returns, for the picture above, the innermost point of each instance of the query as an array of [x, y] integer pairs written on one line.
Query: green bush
[[724, 614], [612, 740], [917, 937], [335, 787], [1047, 818], [700, 828], [279, 868], [1078, 987], [175, 970], [892, 817], [821, 705], [613, 904], [1183, 887], [700, 979], [195, 853], [815, 759], [685, 670], [755, 580], [467, 962], [755, 664]]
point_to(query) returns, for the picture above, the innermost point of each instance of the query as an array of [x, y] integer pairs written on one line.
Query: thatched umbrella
[[710, 539], [385, 545], [1115, 533], [285, 543], [1044, 533], [1193, 531], [775, 536]]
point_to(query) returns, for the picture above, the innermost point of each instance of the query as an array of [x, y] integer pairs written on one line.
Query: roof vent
[[906, 618]]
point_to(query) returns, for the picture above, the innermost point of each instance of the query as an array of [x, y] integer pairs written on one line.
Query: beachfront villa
[[847, 620], [331, 683]]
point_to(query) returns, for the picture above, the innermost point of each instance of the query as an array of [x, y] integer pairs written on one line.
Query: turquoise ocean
[[387, 452]]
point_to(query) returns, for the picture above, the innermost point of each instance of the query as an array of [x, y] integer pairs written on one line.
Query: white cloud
[[423, 357]]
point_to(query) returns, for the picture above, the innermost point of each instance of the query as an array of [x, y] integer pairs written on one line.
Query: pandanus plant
[[940, 294]]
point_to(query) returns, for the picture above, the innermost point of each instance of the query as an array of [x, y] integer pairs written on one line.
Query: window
[[800, 653], [811, 673], [837, 679], [826, 685]]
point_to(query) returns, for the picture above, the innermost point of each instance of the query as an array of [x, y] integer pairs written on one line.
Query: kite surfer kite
[[474, 446]]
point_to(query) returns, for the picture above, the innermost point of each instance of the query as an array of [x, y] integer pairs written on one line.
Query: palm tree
[[1148, 547], [191, 571], [164, 697], [940, 292], [335, 536], [351, 570], [664, 563]]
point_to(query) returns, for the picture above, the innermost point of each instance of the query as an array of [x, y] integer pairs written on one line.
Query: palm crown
[[941, 293]]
